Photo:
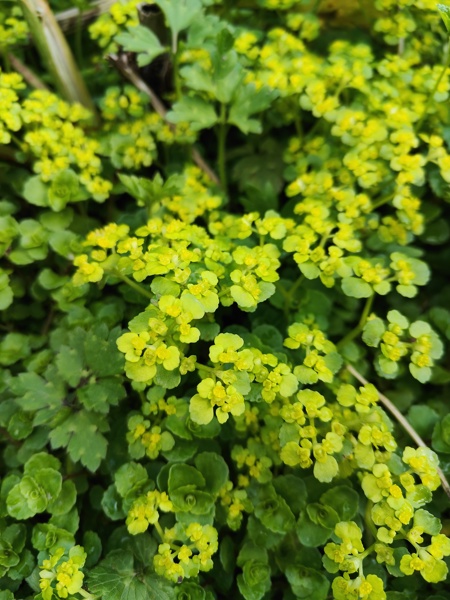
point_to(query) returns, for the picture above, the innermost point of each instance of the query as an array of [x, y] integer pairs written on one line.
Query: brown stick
[[390, 406], [30, 77], [68, 19], [127, 70]]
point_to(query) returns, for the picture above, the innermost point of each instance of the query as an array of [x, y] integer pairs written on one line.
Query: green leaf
[[373, 332], [307, 583], [311, 534], [111, 504], [273, 511], [441, 435], [195, 111], [356, 288], [248, 102], [148, 191], [80, 435], [423, 418], [419, 328], [14, 347], [427, 522], [129, 477], [323, 515], [214, 469], [444, 11], [65, 500], [64, 188], [35, 393], [116, 578], [142, 40], [192, 500], [100, 350], [6, 294], [422, 374], [98, 397], [41, 460], [343, 499], [182, 475], [46, 536], [293, 490], [70, 365], [181, 14], [35, 191], [162, 286], [200, 410]]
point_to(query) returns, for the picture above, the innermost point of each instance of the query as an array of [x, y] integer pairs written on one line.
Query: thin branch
[[390, 406], [68, 19], [126, 68], [31, 78]]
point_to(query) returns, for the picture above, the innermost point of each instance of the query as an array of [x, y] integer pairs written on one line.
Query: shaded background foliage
[[254, 198]]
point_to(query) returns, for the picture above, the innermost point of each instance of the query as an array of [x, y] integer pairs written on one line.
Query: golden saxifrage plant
[[224, 289]]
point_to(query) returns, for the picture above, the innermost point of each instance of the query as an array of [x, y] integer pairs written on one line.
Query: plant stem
[[204, 367], [390, 406], [30, 77], [436, 85], [357, 330], [290, 296], [382, 201], [176, 73], [221, 148], [55, 52], [136, 286]]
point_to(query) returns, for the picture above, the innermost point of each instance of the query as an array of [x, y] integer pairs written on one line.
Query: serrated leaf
[[142, 40], [36, 393], [70, 365], [195, 111], [80, 435], [115, 578], [101, 353], [179, 14], [248, 102]]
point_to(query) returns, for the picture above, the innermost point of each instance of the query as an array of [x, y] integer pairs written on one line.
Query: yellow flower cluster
[[52, 133], [144, 511], [177, 562], [133, 129], [121, 14], [66, 575], [13, 28]]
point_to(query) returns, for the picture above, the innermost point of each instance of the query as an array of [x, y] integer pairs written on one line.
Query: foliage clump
[[210, 293]]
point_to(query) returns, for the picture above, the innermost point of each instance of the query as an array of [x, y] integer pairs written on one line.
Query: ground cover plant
[[224, 251]]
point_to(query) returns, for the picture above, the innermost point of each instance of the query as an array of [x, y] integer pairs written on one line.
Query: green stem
[[159, 530], [176, 72], [221, 148], [370, 525], [136, 286], [6, 61], [357, 330], [436, 85], [382, 201], [204, 368], [290, 296]]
